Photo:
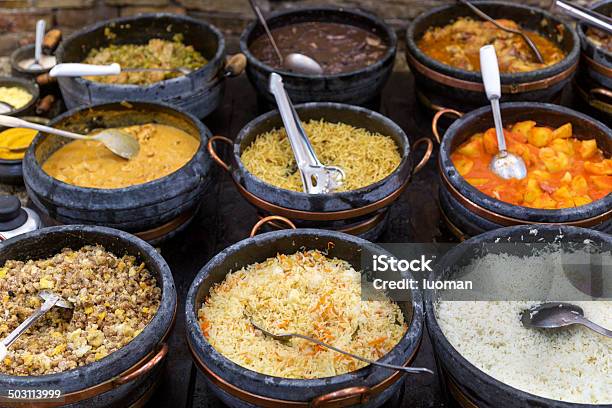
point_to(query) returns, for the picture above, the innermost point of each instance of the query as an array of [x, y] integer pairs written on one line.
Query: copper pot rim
[[571, 59]]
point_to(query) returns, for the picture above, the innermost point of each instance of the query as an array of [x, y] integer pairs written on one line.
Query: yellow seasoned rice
[[364, 156], [306, 293]]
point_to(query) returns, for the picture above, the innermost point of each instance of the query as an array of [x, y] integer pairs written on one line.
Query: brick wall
[[18, 17]]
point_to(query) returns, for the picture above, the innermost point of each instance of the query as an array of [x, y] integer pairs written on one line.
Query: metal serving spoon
[[294, 62], [317, 178], [38, 45], [6, 107], [288, 336], [117, 141], [589, 17], [526, 38], [504, 164], [51, 299], [80, 70], [553, 315]]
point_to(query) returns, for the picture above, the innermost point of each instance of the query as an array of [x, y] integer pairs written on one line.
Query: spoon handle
[[593, 326], [25, 325], [38, 45], [263, 22], [588, 16], [490, 77], [12, 122], [79, 70]]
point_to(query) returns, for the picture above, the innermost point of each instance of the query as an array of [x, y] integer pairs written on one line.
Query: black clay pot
[[104, 383], [440, 85], [594, 82], [198, 93], [460, 201], [329, 211], [229, 380], [10, 170], [466, 383], [360, 87], [155, 210]]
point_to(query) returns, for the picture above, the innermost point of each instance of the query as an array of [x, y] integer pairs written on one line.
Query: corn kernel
[[3, 272], [89, 310], [46, 283]]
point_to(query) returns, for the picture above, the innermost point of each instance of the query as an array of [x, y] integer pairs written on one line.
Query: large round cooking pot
[[155, 210], [348, 211], [124, 378], [469, 386], [239, 387], [10, 170], [472, 212], [594, 82], [440, 85], [361, 87], [198, 93]]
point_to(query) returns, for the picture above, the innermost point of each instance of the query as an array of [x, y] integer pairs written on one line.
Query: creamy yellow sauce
[[87, 163]]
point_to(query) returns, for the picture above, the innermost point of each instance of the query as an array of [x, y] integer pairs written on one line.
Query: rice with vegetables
[[307, 293], [113, 299], [364, 156]]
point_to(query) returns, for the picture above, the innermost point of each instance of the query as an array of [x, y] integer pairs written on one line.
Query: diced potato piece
[[463, 165], [489, 140], [544, 202], [582, 200], [602, 182], [540, 136], [567, 178], [477, 182], [588, 148], [473, 148], [540, 175], [562, 145], [602, 168], [563, 132], [532, 191], [580, 185], [562, 193], [569, 203], [523, 128], [554, 161], [523, 151]]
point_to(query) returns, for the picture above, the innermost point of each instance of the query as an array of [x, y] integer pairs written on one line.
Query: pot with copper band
[[241, 387], [472, 211], [444, 85]]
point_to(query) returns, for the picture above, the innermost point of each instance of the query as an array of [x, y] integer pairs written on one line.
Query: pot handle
[[213, 153], [235, 65], [266, 220], [436, 118], [593, 93], [145, 368], [343, 398], [426, 156]]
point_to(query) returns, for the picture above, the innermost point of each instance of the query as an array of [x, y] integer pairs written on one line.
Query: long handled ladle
[[38, 45], [553, 315], [117, 141], [504, 164], [294, 62], [526, 38], [51, 299], [80, 70], [287, 336], [317, 178]]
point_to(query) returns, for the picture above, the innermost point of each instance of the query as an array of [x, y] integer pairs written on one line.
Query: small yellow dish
[[15, 138]]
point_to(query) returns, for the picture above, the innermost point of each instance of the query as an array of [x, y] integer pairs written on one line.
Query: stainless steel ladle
[[317, 178], [504, 164], [80, 70], [553, 315], [117, 141], [38, 45], [288, 336], [294, 62], [6, 107], [51, 299]]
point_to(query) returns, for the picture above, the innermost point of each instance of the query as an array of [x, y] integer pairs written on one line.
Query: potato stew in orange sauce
[[562, 171]]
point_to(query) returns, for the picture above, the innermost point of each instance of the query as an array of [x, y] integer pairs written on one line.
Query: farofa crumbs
[[114, 298]]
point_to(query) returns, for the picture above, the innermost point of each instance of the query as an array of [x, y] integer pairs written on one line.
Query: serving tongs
[[526, 38], [589, 17], [317, 178]]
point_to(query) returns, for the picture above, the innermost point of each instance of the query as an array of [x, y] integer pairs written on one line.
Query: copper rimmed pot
[[240, 387], [125, 378], [442, 86], [154, 211], [358, 211], [466, 384], [470, 212], [594, 82]]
